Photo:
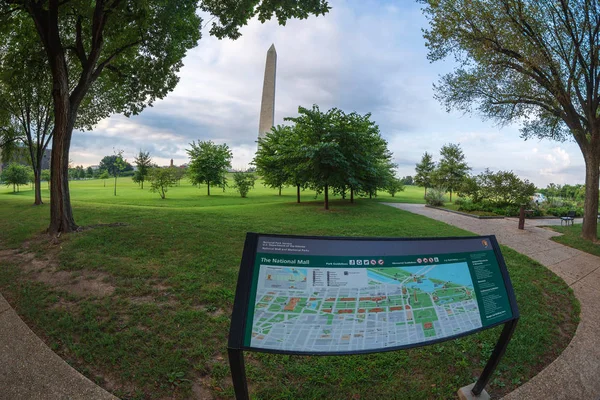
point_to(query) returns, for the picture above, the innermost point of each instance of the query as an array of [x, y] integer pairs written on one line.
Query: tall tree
[[452, 168], [25, 96], [143, 162], [270, 161], [120, 56], [534, 62], [326, 162], [424, 172], [209, 163]]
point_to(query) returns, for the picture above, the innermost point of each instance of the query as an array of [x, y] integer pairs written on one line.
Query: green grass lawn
[[143, 308], [572, 237]]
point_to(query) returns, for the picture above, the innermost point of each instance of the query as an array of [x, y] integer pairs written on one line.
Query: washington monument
[[267, 106]]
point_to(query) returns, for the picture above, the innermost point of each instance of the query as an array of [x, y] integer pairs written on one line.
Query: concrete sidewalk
[[575, 374], [29, 370]]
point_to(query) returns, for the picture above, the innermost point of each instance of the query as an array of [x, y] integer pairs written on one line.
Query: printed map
[[297, 309]]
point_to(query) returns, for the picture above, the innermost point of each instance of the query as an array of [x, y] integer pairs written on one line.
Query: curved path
[[575, 374], [30, 370]]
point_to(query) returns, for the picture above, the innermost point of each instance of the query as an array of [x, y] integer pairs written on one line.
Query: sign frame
[[242, 300]]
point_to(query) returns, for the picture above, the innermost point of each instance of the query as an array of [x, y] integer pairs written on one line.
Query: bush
[[502, 188], [435, 197], [562, 211], [243, 181]]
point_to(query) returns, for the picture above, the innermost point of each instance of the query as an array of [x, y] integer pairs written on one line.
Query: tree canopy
[[326, 151], [209, 163], [534, 62]]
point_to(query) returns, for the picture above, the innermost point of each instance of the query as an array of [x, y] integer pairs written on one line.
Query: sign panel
[[304, 295]]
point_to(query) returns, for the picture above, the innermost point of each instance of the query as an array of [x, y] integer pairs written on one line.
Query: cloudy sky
[[364, 56]]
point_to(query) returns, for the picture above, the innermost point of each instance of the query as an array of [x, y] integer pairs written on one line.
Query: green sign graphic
[[324, 296]]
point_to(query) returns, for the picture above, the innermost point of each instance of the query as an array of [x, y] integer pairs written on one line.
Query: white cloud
[[364, 56]]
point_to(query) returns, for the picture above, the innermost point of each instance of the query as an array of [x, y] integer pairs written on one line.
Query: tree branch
[[110, 58]]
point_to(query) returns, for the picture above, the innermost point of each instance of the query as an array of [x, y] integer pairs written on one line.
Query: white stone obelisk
[[267, 106]]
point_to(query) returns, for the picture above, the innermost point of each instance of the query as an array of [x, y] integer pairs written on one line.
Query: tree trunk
[[326, 197], [590, 212], [142, 184], [65, 112], [425, 195], [208, 185], [297, 193], [280, 190], [451, 196], [351, 195], [61, 214], [37, 186], [115, 185]]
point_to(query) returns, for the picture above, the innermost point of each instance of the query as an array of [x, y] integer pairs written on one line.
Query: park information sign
[[333, 295]]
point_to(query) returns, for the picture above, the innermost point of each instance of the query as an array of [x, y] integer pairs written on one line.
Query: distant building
[[21, 156]]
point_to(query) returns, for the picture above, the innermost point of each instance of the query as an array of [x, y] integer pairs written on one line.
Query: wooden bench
[[569, 218]]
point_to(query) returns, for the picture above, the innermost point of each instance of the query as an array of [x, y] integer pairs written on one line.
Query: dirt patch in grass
[[45, 270]]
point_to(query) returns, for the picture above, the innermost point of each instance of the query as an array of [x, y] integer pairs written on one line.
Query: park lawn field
[[139, 300], [572, 237]]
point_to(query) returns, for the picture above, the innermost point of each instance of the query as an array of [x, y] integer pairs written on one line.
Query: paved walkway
[[575, 374], [29, 370]]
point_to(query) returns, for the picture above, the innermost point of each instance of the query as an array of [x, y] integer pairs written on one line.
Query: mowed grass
[[162, 332], [571, 236]]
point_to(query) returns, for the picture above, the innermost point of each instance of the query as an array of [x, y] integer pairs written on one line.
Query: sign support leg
[[238, 373], [497, 354]]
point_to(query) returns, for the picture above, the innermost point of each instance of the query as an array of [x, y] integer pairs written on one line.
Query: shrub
[[500, 188], [435, 197], [562, 211], [243, 181]]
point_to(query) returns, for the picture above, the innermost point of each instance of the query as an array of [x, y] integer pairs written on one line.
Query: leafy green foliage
[[500, 188], [45, 176], [424, 172], [161, 179], [407, 180], [209, 163], [143, 162], [243, 182], [115, 164], [275, 161], [230, 15], [435, 197], [16, 175], [331, 150], [394, 185], [452, 168]]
